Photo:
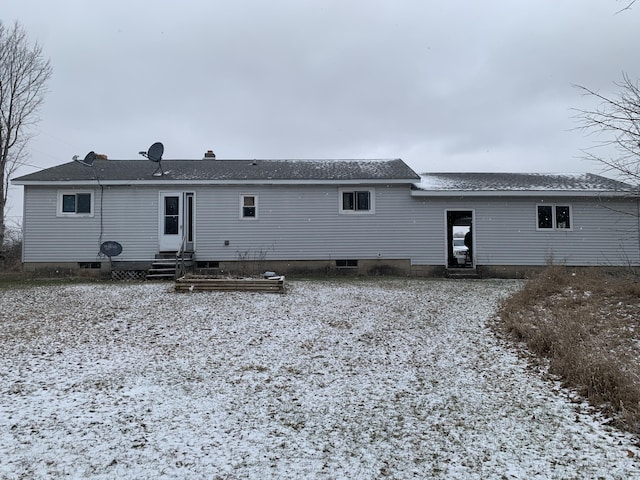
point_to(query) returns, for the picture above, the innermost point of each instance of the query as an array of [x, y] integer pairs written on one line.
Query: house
[[521, 221], [320, 216]]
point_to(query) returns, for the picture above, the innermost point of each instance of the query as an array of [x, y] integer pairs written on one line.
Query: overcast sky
[[446, 86]]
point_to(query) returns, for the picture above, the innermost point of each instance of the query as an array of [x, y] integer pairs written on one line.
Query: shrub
[[11, 256], [584, 323]]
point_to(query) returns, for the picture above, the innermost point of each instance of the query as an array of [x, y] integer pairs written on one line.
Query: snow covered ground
[[337, 379]]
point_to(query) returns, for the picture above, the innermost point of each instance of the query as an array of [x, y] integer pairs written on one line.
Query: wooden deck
[[190, 283]]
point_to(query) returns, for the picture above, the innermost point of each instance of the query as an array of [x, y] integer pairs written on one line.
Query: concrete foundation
[[318, 267], [67, 269], [300, 268]]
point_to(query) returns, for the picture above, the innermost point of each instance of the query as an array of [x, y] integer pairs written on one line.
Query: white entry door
[[170, 226]]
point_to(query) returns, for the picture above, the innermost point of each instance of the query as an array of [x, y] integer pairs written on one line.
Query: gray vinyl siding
[[304, 222], [294, 223], [49, 238], [604, 232], [130, 218]]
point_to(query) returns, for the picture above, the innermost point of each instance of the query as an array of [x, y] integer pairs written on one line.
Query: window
[[356, 201], [92, 265], [75, 203], [554, 217], [171, 215], [563, 217], [208, 264], [346, 263], [248, 206]]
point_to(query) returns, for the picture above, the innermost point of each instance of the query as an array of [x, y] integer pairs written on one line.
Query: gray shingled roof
[[220, 171], [518, 182]]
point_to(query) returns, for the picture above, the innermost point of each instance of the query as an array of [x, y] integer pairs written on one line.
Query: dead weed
[[586, 323]]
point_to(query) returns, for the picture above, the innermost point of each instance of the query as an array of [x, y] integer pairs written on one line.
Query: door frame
[[186, 221], [451, 216], [190, 221]]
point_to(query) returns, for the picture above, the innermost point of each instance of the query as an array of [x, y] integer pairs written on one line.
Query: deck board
[[203, 283]]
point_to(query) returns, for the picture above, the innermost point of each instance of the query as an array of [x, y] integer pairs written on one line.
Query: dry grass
[[586, 324]]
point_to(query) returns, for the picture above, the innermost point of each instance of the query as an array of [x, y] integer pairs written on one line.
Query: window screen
[[545, 216], [563, 214], [83, 203]]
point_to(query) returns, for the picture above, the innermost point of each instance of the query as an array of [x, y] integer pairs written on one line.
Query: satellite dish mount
[[155, 155]]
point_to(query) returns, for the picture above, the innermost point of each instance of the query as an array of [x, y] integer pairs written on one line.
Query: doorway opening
[[460, 241]]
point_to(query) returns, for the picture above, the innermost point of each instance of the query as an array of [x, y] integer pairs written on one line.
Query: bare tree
[[628, 5], [23, 77], [616, 120]]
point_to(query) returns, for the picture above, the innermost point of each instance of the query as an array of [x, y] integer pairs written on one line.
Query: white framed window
[[554, 217], [357, 200], [249, 206], [77, 203]]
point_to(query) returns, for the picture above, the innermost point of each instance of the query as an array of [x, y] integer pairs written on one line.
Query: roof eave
[[160, 182], [521, 193]]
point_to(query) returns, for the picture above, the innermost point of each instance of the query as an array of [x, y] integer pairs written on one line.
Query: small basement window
[[346, 263], [208, 264], [554, 217], [93, 265], [75, 203]]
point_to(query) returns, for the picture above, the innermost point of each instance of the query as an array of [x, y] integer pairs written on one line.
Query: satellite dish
[[155, 155], [111, 248], [88, 159], [155, 152]]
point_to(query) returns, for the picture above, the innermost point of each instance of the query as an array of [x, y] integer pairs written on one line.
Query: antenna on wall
[[155, 155], [87, 161]]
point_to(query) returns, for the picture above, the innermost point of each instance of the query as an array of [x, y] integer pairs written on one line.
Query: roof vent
[[209, 155]]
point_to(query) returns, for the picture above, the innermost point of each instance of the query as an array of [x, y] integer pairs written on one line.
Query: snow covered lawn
[[337, 379]]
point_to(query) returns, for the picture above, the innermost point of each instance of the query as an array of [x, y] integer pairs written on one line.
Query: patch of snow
[[333, 380], [517, 182]]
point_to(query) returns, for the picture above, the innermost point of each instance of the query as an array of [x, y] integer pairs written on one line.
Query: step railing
[[181, 268]]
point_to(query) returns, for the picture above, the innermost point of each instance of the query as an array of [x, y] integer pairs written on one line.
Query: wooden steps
[[190, 283], [166, 264]]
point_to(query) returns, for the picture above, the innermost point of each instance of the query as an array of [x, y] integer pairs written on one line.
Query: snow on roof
[[518, 182]]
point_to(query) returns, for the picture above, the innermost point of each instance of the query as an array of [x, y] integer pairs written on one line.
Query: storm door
[[170, 227]]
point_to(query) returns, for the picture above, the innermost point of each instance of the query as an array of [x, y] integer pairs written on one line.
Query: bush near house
[[11, 256], [586, 324]]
